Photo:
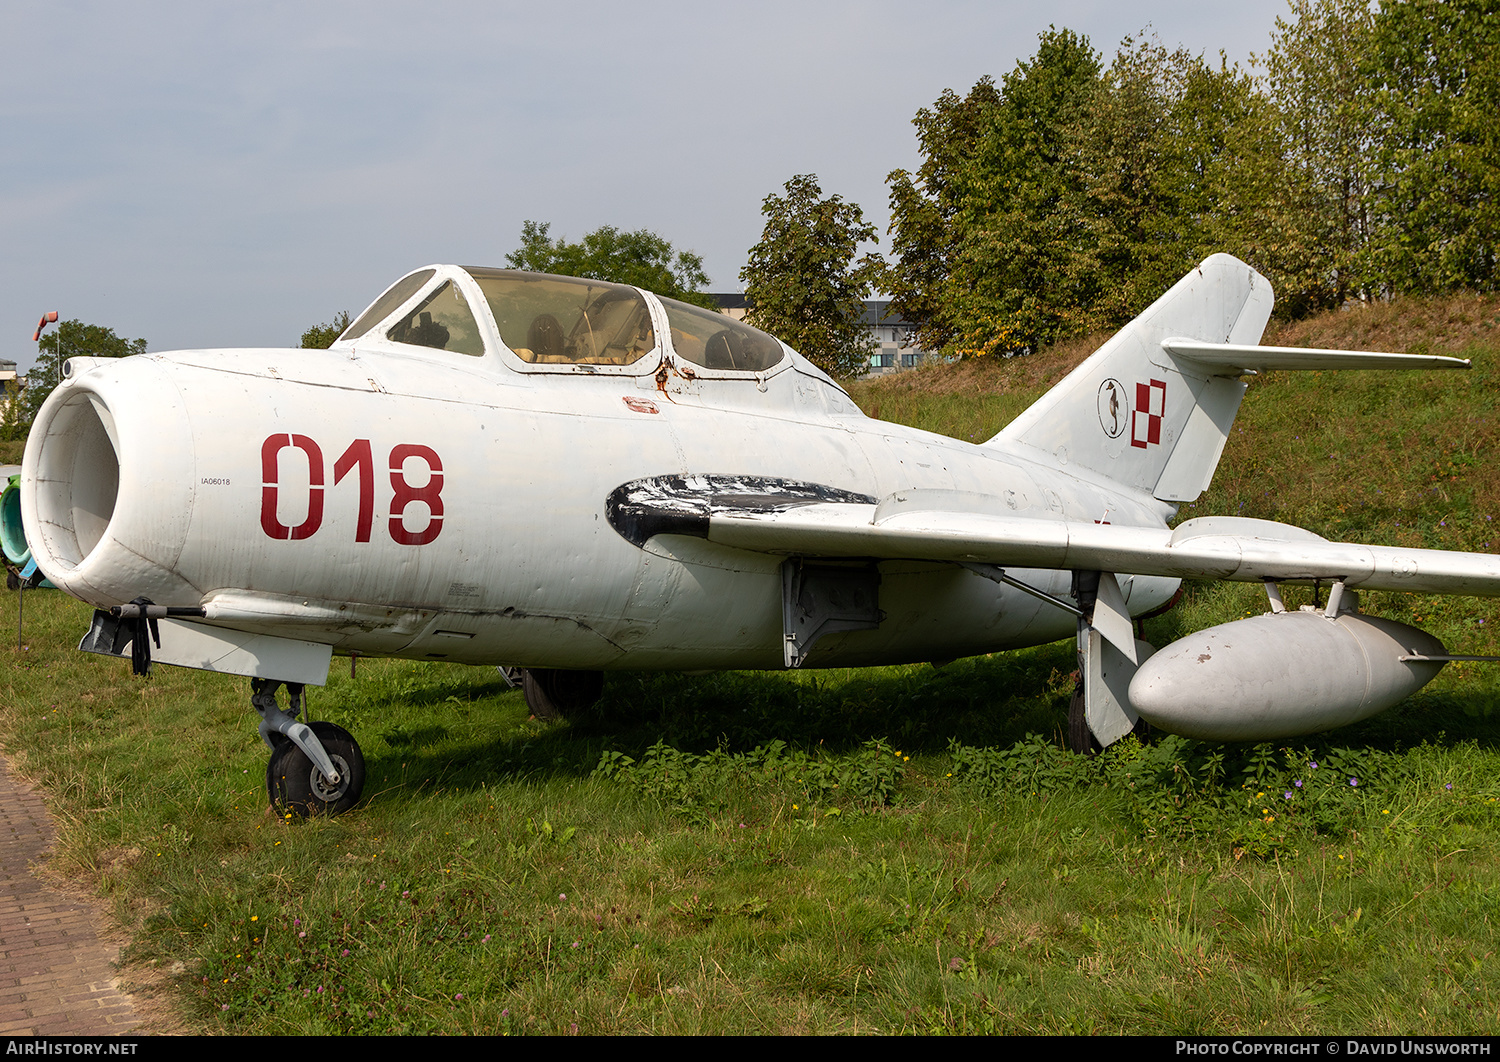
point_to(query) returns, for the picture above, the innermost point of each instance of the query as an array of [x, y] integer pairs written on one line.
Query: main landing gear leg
[[1108, 656], [313, 770]]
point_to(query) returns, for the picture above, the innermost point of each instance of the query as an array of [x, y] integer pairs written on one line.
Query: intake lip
[[107, 483], [76, 480]]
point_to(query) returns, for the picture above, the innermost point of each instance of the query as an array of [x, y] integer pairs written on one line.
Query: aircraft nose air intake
[[106, 508], [79, 479]]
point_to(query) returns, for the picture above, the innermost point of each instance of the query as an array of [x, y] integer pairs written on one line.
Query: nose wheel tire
[[293, 783]]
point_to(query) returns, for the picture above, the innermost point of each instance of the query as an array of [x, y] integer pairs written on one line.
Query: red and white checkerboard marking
[[1150, 404]]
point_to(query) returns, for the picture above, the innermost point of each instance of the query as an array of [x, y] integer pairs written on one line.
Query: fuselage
[[494, 467], [391, 499]]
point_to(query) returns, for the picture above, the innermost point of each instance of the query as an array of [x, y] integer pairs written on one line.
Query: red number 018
[[357, 456]]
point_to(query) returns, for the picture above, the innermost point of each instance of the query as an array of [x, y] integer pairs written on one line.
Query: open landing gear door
[[1106, 687], [1109, 655]]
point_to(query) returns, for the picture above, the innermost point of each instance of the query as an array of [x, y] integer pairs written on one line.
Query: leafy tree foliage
[[1067, 199], [1023, 252], [71, 339], [925, 207], [1317, 83], [1177, 159], [1387, 119], [1436, 66], [321, 336], [1364, 162], [642, 259], [10, 417], [803, 281]]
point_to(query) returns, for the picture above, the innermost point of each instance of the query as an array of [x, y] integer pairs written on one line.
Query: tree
[[1240, 193], [803, 282], [642, 259], [1318, 81], [72, 339], [925, 235], [321, 336], [1175, 159], [1100, 187], [987, 234], [1436, 66], [1365, 162], [1067, 199], [10, 419], [1026, 273]]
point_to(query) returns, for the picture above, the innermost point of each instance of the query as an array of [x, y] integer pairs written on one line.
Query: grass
[[890, 850]]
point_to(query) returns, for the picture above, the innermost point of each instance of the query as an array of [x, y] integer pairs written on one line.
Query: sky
[[212, 174]]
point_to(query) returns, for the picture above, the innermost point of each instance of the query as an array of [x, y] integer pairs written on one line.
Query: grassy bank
[[890, 850]]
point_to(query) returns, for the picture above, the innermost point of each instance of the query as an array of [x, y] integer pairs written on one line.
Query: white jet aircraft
[[571, 476]]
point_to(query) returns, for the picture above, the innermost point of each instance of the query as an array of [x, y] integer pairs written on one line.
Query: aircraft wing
[[959, 527]]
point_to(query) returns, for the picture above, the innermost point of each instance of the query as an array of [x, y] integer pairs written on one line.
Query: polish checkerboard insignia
[[1150, 405]]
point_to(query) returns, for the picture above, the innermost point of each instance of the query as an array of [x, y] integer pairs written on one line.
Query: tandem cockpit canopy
[[552, 322]]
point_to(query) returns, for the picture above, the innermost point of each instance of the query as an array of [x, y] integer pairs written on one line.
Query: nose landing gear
[[314, 770]]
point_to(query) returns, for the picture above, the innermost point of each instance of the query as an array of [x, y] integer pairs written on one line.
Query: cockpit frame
[[564, 325]]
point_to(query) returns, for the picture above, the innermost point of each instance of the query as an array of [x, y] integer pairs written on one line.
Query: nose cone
[[1281, 675], [107, 483]]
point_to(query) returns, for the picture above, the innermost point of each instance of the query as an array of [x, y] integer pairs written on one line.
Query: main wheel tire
[[1080, 738], [555, 694], [293, 783]]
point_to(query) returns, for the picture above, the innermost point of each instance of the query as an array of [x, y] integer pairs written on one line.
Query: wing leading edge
[[910, 526]]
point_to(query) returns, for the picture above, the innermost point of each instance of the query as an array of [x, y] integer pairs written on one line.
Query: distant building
[[10, 383], [891, 331], [732, 303]]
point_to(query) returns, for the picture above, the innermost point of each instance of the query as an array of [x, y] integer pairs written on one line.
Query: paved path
[[56, 974]]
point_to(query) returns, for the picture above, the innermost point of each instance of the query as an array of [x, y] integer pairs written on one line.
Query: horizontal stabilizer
[[1241, 358]]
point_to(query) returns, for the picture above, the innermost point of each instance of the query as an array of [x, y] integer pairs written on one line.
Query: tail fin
[[1144, 417]]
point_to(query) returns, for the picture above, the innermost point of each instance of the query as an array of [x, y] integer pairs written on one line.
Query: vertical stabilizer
[[1148, 419]]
